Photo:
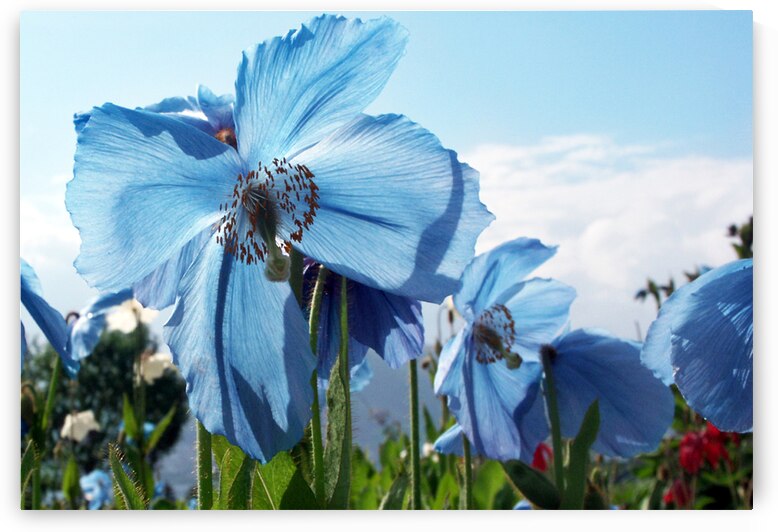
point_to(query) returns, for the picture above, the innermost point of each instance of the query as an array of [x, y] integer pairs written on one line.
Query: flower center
[[494, 333], [249, 225], [227, 136]]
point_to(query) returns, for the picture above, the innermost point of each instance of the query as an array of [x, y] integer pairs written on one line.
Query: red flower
[[690, 452], [713, 441], [542, 457], [678, 493]]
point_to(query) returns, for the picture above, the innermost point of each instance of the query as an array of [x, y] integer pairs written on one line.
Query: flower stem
[[345, 372], [553, 414], [296, 275], [204, 469], [415, 459], [45, 421], [316, 439], [467, 489]]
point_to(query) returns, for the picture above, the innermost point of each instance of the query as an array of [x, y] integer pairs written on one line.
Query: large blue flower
[[51, 322], [97, 487], [703, 340], [491, 369], [389, 324], [376, 199]]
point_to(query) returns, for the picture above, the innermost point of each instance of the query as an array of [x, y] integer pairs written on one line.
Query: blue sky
[[624, 137]]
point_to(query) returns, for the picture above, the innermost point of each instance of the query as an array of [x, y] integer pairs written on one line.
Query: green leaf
[[138, 464], [70, 488], [127, 492], [575, 485], [28, 467], [430, 430], [160, 429], [234, 480], [130, 423], [337, 453], [532, 485], [364, 482], [279, 485], [448, 491], [394, 498], [655, 499], [488, 480]]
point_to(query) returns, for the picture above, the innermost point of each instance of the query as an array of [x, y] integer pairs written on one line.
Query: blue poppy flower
[[84, 333], [491, 369], [703, 341], [389, 324], [51, 322], [635, 407], [97, 488], [376, 199]]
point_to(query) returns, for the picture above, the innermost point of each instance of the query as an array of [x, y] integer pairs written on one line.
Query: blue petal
[[656, 351], [218, 109], [491, 274], [23, 344], [241, 343], [144, 186], [97, 487], [636, 408], [84, 332], [51, 322], [390, 325], [450, 442], [184, 110], [490, 400], [292, 91], [523, 504], [396, 212], [713, 346], [541, 310], [158, 289]]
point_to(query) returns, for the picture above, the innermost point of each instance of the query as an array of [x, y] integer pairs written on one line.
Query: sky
[[623, 137]]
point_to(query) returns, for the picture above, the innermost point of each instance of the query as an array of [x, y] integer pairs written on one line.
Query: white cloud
[[620, 213]]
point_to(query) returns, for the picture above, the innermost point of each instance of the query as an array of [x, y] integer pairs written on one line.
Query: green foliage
[[575, 474], [533, 485], [127, 491], [394, 498], [29, 464], [279, 485]]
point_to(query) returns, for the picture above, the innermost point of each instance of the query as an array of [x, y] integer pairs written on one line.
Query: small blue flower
[[97, 488], [389, 324], [703, 341], [491, 369], [84, 333], [635, 407], [492, 373], [51, 322], [376, 199], [523, 504]]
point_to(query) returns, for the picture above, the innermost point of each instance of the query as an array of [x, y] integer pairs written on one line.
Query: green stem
[[467, 490], [415, 459], [553, 414], [204, 469], [345, 369], [36, 486], [316, 439]]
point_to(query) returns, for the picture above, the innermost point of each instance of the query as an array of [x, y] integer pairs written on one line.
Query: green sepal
[[575, 485], [127, 491], [393, 500], [532, 485]]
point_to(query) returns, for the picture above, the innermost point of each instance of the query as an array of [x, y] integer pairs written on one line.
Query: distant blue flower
[[97, 488], [51, 322], [389, 324], [377, 199], [84, 332], [523, 504], [703, 341], [148, 428], [491, 369]]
